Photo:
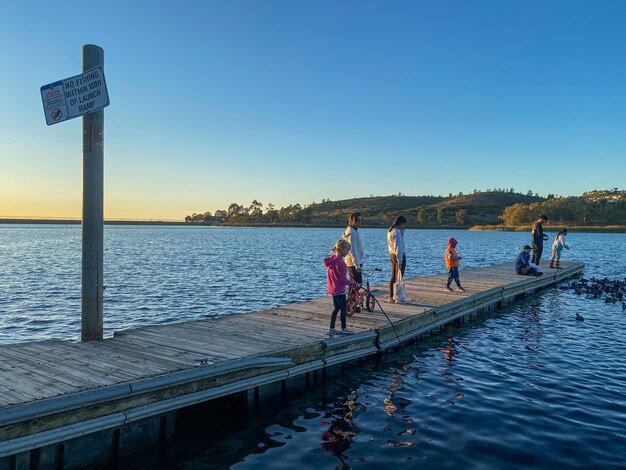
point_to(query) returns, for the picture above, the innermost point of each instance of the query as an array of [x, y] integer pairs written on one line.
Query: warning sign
[[74, 96]]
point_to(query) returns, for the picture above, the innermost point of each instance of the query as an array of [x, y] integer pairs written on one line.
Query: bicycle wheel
[[351, 307], [370, 303]]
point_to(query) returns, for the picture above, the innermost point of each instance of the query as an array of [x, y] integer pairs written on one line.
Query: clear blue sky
[[296, 101]]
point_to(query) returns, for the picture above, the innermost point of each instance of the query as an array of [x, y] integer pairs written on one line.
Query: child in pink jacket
[[337, 283]]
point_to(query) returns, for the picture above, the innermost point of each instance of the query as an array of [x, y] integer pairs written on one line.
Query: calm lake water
[[528, 387]]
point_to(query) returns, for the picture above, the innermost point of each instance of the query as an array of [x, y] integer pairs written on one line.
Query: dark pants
[[453, 274], [357, 277], [339, 302], [537, 250], [395, 266], [528, 271]]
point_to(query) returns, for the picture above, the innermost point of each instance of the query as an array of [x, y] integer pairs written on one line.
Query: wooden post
[[93, 212]]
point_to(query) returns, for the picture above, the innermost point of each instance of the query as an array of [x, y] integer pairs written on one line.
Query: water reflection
[[336, 440]]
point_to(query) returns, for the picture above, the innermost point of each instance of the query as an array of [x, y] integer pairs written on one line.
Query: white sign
[[74, 96]]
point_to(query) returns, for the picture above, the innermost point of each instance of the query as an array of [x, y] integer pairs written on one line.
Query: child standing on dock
[[557, 248], [452, 263], [337, 275]]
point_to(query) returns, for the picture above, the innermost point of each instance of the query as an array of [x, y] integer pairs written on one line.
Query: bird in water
[[580, 317], [611, 291]]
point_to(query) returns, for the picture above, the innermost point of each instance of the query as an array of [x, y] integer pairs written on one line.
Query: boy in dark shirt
[[538, 238]]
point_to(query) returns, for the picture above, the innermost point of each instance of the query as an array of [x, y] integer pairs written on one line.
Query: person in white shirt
[[557, 248], [354, 260], [397, 251]]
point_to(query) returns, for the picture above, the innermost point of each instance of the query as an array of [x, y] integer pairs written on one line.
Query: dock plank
[[180, 353], [50, 369], [181, 344]]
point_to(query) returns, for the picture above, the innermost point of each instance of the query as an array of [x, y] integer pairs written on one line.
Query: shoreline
[[478, 228], [551, 228], [79, 221]]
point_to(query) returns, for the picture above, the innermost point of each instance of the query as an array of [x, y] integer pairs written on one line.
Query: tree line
[[594, 208], [253, 214], [572, 211]]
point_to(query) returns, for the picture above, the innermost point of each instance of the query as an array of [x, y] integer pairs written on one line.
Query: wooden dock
[[68, 404]]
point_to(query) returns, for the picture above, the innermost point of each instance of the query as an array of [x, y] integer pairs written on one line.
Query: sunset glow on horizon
[[294, 102]]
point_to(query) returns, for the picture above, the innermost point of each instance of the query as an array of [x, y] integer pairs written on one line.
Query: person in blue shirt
[[522, 264]]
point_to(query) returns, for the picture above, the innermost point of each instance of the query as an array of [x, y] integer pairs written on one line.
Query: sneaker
[[346, 332], [332, 332], [447, 289], [460, 289]]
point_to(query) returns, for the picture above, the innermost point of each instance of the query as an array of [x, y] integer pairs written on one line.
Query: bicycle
[[358, 299]]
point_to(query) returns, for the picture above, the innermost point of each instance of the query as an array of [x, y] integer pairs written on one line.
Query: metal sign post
[[93, 210], [86, 95]]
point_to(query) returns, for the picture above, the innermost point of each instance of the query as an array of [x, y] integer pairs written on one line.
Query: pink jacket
[[337, 275]]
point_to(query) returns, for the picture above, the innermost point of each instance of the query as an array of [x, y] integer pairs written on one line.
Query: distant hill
[[480, 207], [462, 210], [377, 211]]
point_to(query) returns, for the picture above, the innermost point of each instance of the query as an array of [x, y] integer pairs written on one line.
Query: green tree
[[256, 211], [236, 213], [270, 213], [461, 216], [440, 215], [421, 215], [517, 214]]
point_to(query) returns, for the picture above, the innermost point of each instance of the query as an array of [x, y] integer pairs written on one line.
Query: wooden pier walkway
[[54, 393]]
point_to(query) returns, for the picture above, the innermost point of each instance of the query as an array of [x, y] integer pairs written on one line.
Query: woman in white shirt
[[354, 260], [397, 251]]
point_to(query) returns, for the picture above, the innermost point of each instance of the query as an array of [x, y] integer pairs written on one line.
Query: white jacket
[[355, 257], [395, 243]]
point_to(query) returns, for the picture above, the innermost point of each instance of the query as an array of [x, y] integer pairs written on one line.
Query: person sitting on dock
[[337, 277], [557, 248], [452, 263], [522, 264]]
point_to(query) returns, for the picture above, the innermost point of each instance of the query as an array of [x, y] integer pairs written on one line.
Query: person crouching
[[522, 263]]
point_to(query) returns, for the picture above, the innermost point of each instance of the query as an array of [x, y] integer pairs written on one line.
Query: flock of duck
[[612, 291]]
